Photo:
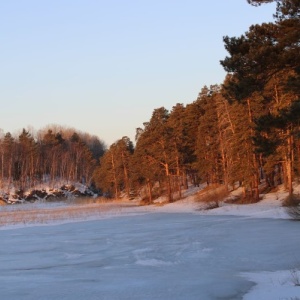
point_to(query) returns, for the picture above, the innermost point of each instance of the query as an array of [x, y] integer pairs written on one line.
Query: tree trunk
[[2, 169], [170, 198], [149, 188], [178, 181], [289, 163], [256, 178], [169, 188], [127, 187], [114, 177], [254, 157], [185, 180]]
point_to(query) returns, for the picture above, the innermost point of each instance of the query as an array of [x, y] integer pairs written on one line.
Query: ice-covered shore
[[119, 250]]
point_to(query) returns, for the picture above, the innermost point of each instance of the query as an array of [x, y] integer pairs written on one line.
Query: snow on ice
[[176, 251]]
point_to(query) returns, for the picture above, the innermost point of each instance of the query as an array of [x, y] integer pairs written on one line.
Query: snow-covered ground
[[175, 251]]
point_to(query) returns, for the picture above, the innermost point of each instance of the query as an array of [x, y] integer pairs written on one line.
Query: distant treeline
[[55, 154]]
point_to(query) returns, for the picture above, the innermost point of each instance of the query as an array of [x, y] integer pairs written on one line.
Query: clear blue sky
[[103, 66]]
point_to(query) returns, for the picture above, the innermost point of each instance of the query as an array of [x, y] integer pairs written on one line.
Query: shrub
[[212, 196], [292, 205], [295, 277]]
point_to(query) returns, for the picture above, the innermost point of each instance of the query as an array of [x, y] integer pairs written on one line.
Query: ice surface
[[149, 256]]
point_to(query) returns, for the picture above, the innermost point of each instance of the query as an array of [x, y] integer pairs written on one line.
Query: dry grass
[[20, 215], [241, 199], [145, 201], [294, 212], [212, 195], [295, 277], [292, 206], [291, 201]]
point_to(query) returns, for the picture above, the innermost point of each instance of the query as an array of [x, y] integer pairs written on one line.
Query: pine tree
[[192, 115], [208, 143], [177, 126], [114, 173], [155, 147], [259, 58], [27, 158], [8, 155]]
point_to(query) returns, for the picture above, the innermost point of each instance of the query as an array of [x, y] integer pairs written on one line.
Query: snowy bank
[[274, 285]]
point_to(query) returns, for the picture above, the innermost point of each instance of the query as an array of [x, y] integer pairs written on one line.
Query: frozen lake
[[147, 256]]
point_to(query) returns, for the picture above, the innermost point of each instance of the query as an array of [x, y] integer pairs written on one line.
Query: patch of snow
[[267, 208], [73, 255], [274, 285], [153, 262]]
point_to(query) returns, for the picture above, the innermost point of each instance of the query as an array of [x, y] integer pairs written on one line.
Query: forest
[[241, 132], [53, 155]]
